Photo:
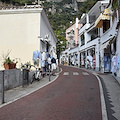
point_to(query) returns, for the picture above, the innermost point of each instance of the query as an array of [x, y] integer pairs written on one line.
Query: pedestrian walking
[[53, 61], [49, 62], [114, 64], [94, 63]]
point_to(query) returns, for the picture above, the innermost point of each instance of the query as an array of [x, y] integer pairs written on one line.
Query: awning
[[103, 46], [104, 16]]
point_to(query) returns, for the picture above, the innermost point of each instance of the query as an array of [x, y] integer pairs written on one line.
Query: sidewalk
[[19, 92], [111, 88]]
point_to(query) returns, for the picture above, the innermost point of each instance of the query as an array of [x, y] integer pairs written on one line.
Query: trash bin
[[25, 76]]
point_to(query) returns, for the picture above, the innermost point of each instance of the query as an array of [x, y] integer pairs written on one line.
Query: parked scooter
[[38, 74]]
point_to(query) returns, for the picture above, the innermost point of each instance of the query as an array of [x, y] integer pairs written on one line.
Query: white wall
[[19, 33], [45, 29], [118, 51]]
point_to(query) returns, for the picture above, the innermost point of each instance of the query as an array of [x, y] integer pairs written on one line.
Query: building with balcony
[[108, 24], [99, 38], [89, 40], [72, 35]]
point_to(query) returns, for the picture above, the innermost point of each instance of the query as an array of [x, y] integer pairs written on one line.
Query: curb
[[103, 105]]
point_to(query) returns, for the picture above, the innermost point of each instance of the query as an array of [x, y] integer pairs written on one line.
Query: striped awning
[[104, 16]]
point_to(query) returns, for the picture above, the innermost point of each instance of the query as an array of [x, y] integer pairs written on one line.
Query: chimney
[[76, 22]]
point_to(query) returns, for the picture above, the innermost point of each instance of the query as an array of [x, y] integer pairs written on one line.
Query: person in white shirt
[[114, 64], [49, 62]]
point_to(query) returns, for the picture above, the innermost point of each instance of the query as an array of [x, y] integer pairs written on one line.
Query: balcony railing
[[92, 39], [70, 35], [86, 26]]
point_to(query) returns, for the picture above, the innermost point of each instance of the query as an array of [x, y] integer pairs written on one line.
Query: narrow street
[[74, 95]]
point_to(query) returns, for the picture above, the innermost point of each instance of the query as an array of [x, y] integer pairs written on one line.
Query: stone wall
[[12, 78]]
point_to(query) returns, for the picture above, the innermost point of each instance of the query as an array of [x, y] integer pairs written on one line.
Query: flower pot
[[6, 66], [10, 66]]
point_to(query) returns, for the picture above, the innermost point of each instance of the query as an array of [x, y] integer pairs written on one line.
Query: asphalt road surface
[[74, 95]]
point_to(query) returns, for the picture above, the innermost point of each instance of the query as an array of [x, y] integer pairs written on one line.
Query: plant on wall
[[7, 61]]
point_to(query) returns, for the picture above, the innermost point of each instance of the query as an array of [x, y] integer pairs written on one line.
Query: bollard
[[25, 76], [49, 75], [49, 72], [59, 65], [3, 88]]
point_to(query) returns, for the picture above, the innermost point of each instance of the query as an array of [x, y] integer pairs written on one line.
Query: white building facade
[[108, 24], [23, 31], [99, 38], [89, 39]]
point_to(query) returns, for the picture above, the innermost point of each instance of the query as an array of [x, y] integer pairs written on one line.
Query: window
[[106, 25], [82, 39]]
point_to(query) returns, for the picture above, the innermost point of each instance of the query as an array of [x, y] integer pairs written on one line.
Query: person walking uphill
[[49, 63], [53, 61]]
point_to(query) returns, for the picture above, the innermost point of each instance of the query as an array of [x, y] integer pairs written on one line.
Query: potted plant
[[7, 62]]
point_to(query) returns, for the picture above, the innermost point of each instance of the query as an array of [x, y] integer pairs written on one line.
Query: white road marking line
[[75, 73], [85, 73], [103, 105], [66, 73]]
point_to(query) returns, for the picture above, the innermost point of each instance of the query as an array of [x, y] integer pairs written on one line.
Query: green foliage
[[18, 2], [115, 4], [8, 60], [86, 6]]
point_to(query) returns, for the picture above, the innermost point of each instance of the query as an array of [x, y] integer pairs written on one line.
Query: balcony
[[110, 33], [92, 38], [86, 26], [70, 35], [92, 42]]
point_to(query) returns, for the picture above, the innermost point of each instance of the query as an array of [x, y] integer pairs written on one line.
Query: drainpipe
[[99, 46], [118, 9]]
